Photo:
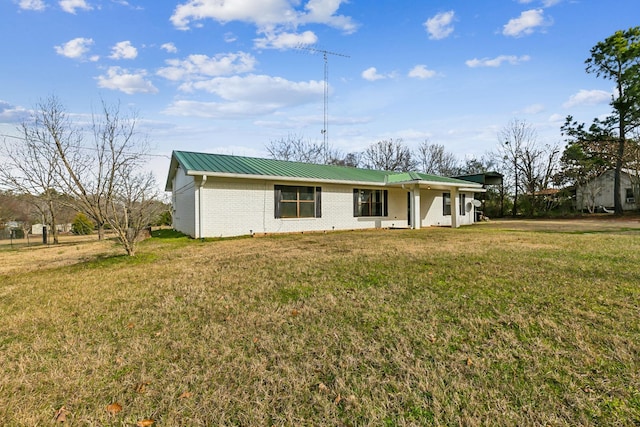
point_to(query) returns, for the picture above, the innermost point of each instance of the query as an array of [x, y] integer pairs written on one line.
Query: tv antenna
[[325, 128]]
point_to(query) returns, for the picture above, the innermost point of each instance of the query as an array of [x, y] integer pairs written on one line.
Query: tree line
[[57, 164]]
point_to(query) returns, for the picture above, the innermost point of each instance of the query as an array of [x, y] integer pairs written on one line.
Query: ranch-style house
[[216, 195]]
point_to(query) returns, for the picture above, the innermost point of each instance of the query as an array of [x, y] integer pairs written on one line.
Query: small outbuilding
[[599, 192]]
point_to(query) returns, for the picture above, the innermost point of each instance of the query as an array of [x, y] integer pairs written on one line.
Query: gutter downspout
[[202, 183]]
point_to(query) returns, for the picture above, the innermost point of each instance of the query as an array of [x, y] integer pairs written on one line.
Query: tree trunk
[[514, 211], [617, 200], [54, 229]]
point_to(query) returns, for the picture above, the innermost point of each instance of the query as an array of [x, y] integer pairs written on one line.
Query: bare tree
[[31, 170], [474, 165], [100, 175], [388, 155], [532, 167], [434, 159], [297, 149], [352, 160], [133, 207], [15, 207], [513, 138], [89, 171]]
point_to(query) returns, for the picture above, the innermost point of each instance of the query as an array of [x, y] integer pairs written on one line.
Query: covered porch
[[431, 203]]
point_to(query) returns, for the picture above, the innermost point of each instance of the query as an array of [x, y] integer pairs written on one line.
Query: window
[[446, 204], [370, 202], [463, 200], [297, 201], [630, 198]]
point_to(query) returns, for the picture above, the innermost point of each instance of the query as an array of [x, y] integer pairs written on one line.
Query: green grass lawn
[[473, 326]]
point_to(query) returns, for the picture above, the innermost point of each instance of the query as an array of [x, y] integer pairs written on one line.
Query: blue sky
[[229, 76]]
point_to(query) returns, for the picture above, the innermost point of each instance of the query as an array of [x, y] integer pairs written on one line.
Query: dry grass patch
[[475, 326], [21, 257]]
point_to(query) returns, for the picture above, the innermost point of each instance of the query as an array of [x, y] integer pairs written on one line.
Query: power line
[[80, 147]]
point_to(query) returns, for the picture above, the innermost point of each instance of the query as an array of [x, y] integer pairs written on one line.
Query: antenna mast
[[325, 129]]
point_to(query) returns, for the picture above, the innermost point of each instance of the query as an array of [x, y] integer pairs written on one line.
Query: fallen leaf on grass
[[114, 408], [130, 325], [337, 399], [294, 312], [140, 387], [145, 423], [61, 415], [469, 361], [186, 395]]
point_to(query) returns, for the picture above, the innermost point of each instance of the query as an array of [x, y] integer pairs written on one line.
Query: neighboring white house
[[61, 228], [215, 195], [599, 191]]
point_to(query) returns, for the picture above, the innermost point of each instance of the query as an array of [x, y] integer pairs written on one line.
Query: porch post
[[415, 209]]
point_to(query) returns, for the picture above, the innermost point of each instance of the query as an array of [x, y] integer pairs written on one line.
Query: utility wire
[[89, 148]]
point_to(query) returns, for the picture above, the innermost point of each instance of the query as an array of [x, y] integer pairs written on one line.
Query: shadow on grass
[[167, 233], [105, 261]]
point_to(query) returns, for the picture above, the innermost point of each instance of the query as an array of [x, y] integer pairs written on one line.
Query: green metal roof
[[213, 164]]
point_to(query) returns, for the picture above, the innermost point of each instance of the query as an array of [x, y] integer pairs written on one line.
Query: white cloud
[[526, 24], [421, 72], [76, 48], [197, 67], [263, 13], [371, 74], [545, 3], [439, 26], [285, 40], [215, 110], [123, 50], [127, 4], [260, 89], [557, 118], [37, 5], [497, 61], [70, 6], [169, 47], [244, 96], [533, 109], [324, 12], [121, 79], [12, 114], [588, 97]]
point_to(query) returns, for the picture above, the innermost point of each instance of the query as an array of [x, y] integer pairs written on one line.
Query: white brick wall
[[232, 207]]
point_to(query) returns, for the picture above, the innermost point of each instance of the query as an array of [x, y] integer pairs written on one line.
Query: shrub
[[82, 225]]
